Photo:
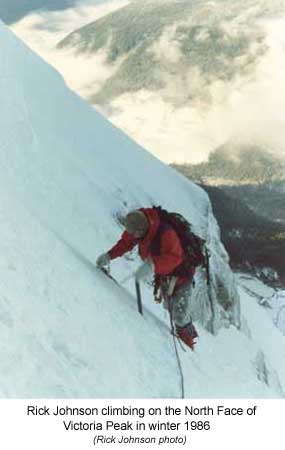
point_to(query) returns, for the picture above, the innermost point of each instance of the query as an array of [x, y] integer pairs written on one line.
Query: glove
[[143, 271], [103, 260]]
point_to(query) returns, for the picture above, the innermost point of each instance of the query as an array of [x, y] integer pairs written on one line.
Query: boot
[[187, 334]]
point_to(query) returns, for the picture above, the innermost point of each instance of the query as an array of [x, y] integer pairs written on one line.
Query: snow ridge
[[66, 176]]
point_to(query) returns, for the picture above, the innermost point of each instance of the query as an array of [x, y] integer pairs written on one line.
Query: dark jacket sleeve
[[124, 245]]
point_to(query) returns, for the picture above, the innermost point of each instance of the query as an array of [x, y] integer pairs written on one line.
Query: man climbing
[[162, 250]]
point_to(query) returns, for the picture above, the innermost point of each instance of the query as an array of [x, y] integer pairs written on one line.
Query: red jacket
[[170, 255]]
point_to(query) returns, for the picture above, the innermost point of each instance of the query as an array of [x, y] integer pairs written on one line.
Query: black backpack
[[195, 247]]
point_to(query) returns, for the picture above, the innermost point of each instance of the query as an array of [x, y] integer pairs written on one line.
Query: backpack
[[195, 247]]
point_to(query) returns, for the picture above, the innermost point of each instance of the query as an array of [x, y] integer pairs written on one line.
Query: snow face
[[67, 330]]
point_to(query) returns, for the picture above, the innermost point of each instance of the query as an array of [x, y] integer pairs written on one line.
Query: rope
[[175, 348], [207, 256], [212, 327]]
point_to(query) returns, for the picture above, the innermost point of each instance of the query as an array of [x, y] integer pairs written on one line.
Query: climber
[[162, 248]]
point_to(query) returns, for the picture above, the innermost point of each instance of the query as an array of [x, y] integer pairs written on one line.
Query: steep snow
[[67, 331]]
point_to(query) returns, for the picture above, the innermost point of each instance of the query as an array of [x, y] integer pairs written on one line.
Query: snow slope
[[66, 330]]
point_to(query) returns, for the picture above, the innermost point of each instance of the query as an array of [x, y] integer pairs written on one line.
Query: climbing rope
[[170, 308]]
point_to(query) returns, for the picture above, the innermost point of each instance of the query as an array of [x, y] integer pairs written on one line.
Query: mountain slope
[[244, 183], [162, 44], [67, 331], [236, 163], [252, 241], [178, 76]]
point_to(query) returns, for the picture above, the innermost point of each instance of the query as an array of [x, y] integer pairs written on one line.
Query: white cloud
[[250, 108], [42, 31], [247, 109]]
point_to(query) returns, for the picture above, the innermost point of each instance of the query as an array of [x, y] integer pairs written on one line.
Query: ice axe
[[139, 274], [106, 271], [139, 297], [138, 290]]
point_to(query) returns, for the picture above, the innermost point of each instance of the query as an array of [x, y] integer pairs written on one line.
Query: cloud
[[248, 107], [43, 30]]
